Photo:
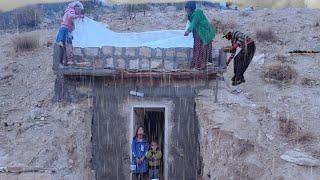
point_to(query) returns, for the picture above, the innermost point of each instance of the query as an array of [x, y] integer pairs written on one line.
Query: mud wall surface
[[26, 176], [111, 129]]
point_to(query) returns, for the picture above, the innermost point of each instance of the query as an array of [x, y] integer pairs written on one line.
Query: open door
[[153, 120]]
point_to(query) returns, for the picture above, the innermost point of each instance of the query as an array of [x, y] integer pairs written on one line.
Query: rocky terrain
[[247, 135], [270, 130]]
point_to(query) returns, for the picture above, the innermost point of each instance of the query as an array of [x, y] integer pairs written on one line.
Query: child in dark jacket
[[154, 158], [64, 37], [140, 147]]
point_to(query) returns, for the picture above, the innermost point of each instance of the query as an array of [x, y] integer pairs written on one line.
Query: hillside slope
[[241, 137]]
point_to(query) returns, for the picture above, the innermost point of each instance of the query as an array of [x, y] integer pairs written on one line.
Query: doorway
[[153, 120]]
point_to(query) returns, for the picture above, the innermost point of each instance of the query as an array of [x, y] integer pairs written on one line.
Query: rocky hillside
[[268, 130]]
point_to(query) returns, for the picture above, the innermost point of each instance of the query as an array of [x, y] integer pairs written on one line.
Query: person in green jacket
[[154, 157], [203, 34]]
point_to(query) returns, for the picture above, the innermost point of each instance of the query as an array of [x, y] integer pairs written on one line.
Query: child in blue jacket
[[140, 147]]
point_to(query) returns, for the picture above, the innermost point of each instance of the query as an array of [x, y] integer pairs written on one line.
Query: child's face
[[140, 133], [154, 146]]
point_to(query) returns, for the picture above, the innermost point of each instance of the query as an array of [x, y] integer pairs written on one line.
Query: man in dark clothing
[[243, 58]]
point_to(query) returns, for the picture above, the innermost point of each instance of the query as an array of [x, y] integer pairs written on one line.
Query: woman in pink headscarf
[[64, 37]]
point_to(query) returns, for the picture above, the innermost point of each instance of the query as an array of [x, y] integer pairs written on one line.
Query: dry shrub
[[130, 11], [293, 131], [25, 43], [266, 35], [281, 58], [284, 59], [223, 26], [287, 126], [306, 81], [279, 73], [244, 14], [264, 110], [27, 16], [302, 137]]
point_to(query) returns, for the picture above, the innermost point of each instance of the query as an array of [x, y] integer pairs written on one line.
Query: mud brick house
[[152, 87]]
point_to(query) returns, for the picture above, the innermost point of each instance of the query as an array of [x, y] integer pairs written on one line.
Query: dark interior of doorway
[[153, 121]]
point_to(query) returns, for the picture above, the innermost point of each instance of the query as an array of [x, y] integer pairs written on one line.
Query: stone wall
[[110, 61], [132, 58]]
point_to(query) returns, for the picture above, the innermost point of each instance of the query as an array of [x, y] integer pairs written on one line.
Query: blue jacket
[[139, 150]]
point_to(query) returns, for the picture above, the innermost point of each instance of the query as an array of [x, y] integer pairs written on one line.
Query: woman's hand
[[187, 33], [138, 161]]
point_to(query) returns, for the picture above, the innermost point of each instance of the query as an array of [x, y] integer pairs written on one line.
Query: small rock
[[236, 91], [270, 137], [107, 50], [15, 169], [171, 9], [42, 118], [91, 52], [298, 157], [82, 64], [145, 52], [216, 127], [258, 59], [253, 160]]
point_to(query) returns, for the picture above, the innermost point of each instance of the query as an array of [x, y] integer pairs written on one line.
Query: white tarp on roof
[[89, 33]]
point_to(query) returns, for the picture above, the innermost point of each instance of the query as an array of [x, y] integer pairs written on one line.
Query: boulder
[[298, 157]]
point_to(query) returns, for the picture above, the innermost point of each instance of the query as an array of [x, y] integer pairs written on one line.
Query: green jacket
[[154, 158], [200, 24]]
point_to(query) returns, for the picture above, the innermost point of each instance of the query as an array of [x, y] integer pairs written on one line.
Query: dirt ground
[[34, 132], [241, 137]]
